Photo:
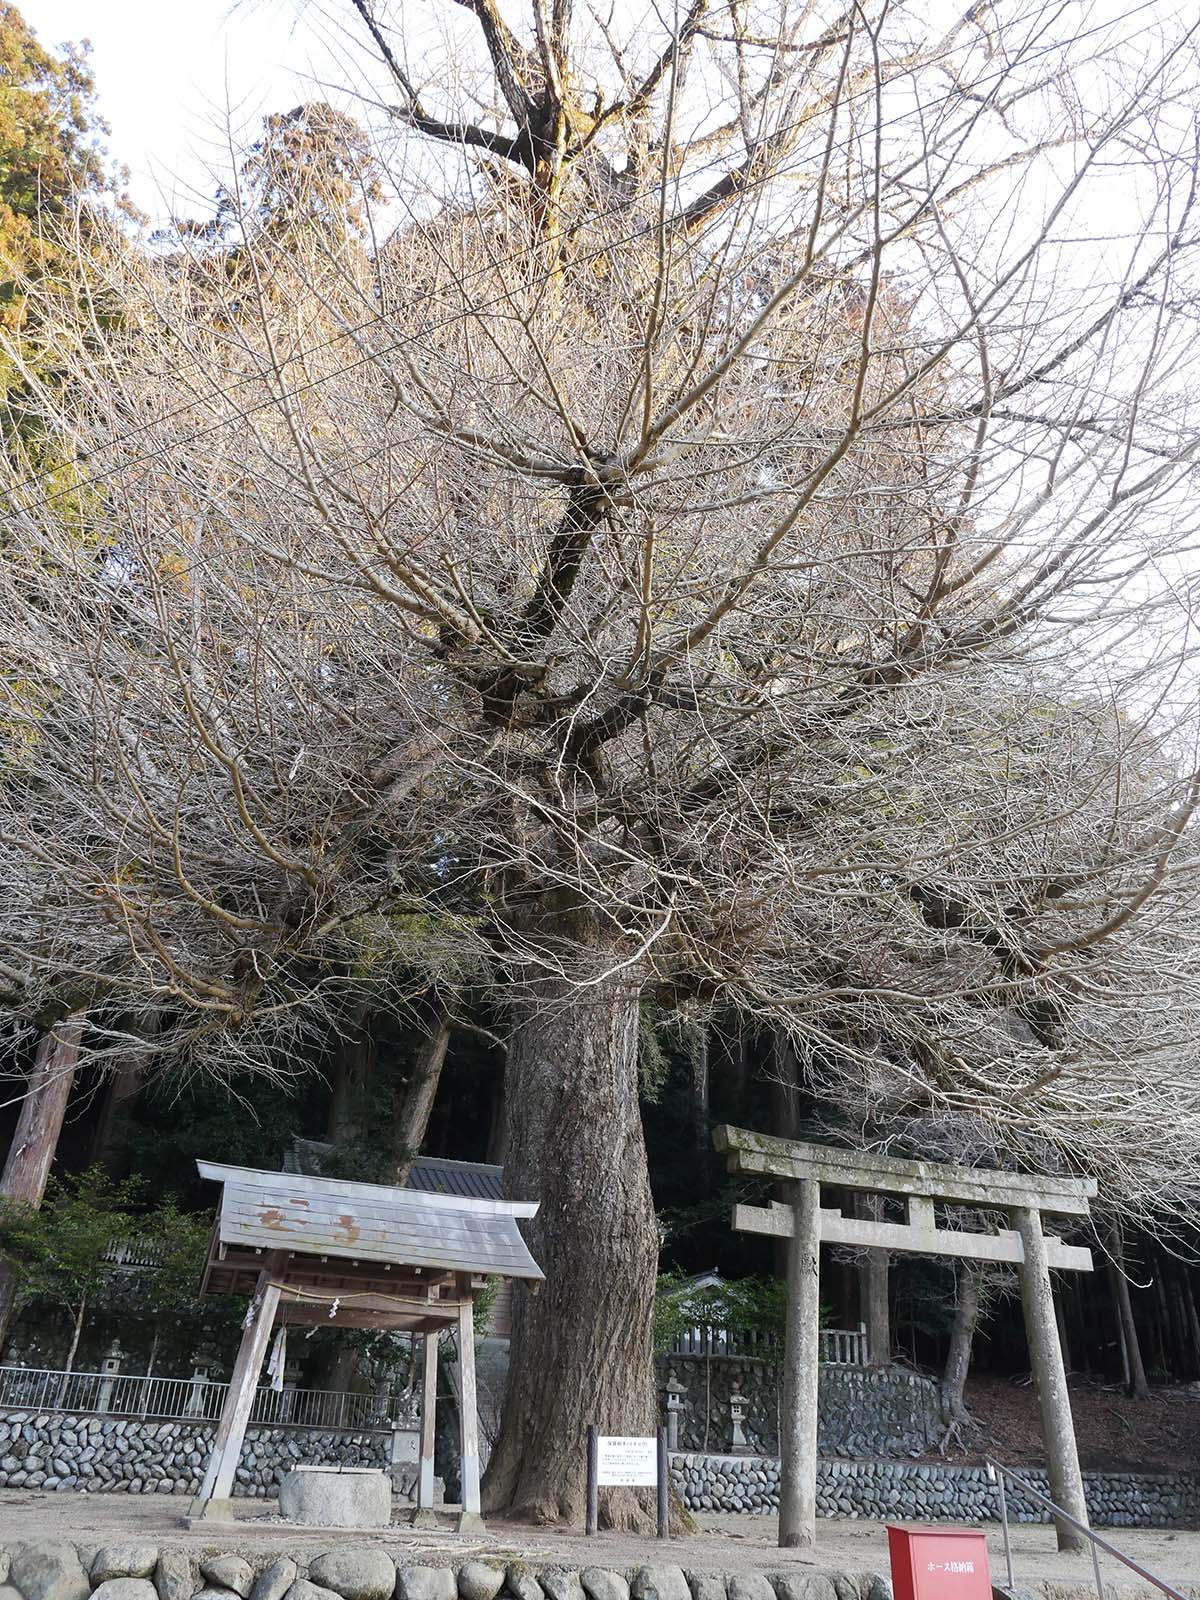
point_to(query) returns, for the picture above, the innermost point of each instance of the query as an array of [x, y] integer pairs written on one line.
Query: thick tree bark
[[31, 1153], [582, 1342], [413, 1119], [962, 1336], [1133, 1350]]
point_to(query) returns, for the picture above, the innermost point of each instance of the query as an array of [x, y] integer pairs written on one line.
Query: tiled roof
[[468, 1178], [434, 1175]]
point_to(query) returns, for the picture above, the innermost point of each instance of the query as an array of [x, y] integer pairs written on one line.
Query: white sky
[[167, 71]]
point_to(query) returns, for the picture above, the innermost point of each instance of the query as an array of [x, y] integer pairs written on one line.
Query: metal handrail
[[997, 1472]]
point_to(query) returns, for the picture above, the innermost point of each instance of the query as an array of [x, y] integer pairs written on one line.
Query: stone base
[[201, 1511], [326, 1497], [427, 1519]]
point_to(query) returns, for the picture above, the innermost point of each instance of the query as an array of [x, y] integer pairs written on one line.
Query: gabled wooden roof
[[369, 1223]]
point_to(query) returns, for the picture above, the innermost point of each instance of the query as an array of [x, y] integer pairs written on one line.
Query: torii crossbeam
[[921, 1184]]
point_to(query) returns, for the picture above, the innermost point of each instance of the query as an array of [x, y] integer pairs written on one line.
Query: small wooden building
[[316, 1251], [477, 1180]]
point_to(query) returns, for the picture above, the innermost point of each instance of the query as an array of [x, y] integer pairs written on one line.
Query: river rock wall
[[55, 1450], [862, 1412], [932, 1492]]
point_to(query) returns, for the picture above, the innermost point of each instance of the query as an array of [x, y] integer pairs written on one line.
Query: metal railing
[[134, 1252], [199, 1400], [998, 1473], [840, 1347]]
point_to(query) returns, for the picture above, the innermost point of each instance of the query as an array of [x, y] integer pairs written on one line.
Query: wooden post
[[215, 1491], [429, 1377], [1045, 1355], [468, 1420], [592, 1515], [663, 1482], [801, 1354]]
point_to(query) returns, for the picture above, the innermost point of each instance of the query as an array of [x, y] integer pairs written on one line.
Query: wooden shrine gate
[[805, 1224]]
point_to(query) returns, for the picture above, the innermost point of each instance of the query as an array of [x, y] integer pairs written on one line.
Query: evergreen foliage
[[53, 167], [62, 1249]]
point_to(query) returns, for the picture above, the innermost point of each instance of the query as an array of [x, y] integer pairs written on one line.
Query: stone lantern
[[676, 1394], [110, 1369], [738, 1444], [198, 1387]]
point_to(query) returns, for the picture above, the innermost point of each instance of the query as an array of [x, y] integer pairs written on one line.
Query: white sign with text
[[627, 1461]]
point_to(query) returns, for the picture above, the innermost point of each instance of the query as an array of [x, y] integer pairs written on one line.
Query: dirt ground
[[724, 1544], [1115, 1434]]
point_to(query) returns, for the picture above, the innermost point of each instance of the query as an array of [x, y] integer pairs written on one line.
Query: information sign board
[[627, 1461]]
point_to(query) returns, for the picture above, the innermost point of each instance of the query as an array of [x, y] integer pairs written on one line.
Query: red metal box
[[939, 1564]]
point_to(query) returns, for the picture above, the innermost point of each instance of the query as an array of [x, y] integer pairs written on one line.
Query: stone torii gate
[[804, 1223]]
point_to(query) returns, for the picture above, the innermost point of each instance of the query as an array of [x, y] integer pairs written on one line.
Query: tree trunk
[[1193, 1319], [36, 1138], [701, 1142], [76, 1332], [738, 1047], [1133, 1350], [962, 1336], [353, 1061], [582, 1342], [874, 1270], [497, 1144], [785, 1119], [413, 1119], [124, 1086], [1060, 1318], [1163, 1324], [1123, 1353]]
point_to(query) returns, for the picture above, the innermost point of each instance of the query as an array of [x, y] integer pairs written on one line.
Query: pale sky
[[168, 70]]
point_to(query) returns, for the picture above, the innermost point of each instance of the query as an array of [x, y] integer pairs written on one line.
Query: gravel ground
[[723, 1544]]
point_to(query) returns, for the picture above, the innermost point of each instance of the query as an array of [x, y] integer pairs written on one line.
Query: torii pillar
[[919, 1184]]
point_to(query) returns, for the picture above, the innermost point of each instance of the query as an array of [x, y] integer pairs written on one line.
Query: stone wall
[[60, 1570], [862, 1412], [55, 1450], [931, 1492]]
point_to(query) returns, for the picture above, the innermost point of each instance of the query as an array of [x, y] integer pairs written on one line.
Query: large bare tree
[[729, 540]]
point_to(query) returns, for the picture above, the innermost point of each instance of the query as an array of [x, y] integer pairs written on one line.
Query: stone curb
[[52, 1568], [56, 1569]]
